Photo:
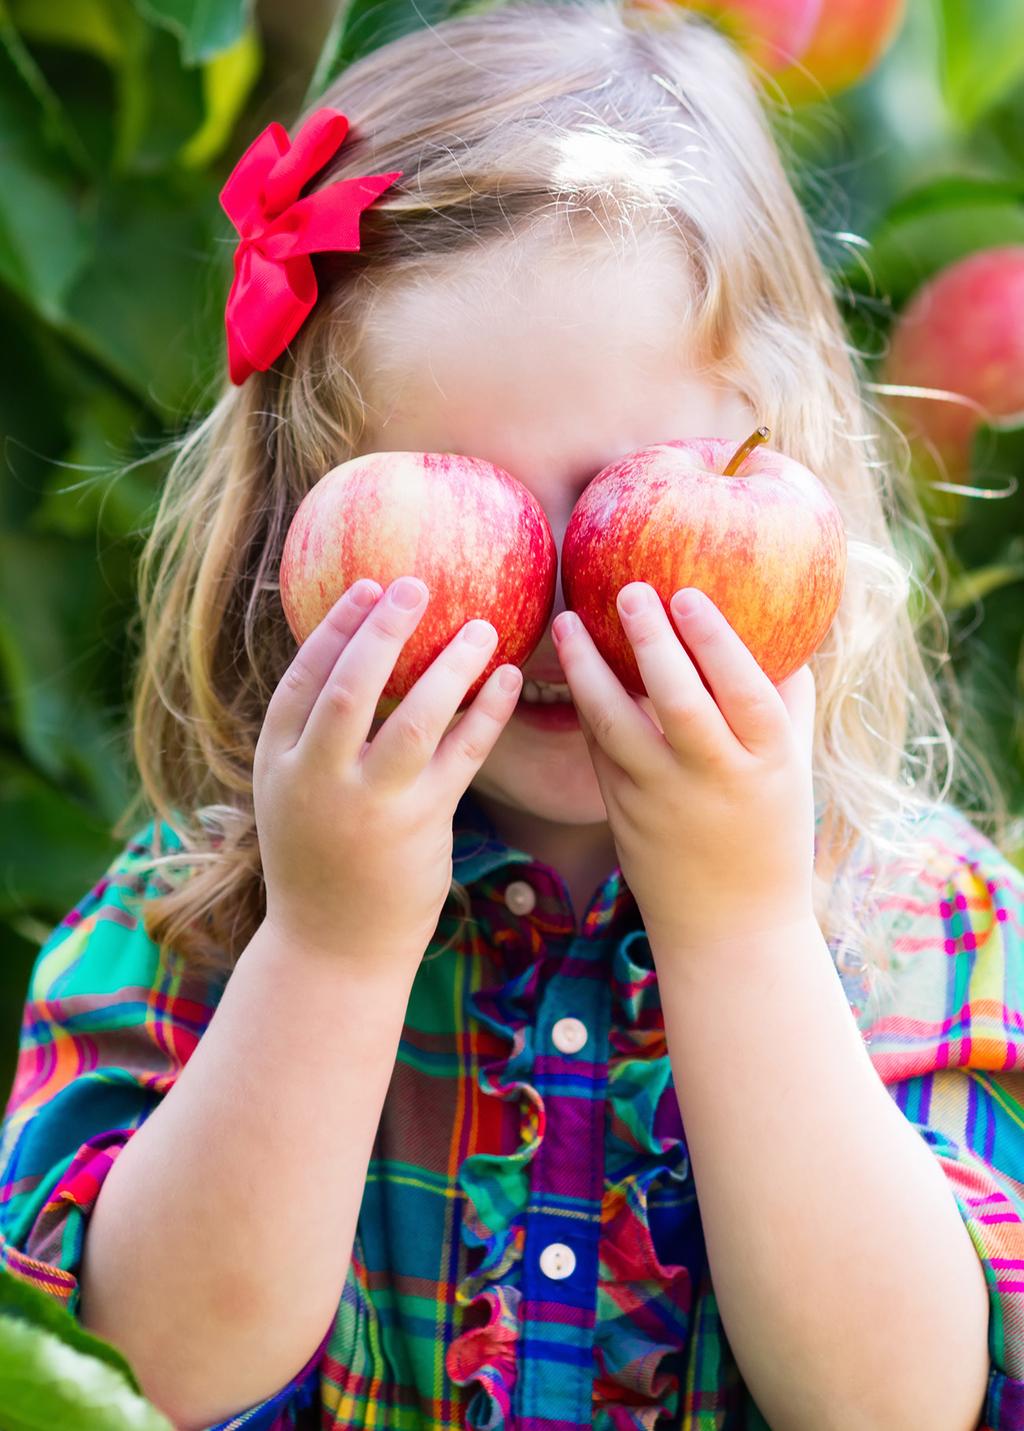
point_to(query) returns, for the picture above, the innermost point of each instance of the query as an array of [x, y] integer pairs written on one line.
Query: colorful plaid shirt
[[529, 1251]]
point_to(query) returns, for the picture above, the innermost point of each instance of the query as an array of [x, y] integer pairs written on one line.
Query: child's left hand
[[713, 814]]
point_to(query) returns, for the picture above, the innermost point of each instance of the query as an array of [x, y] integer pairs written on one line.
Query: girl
[[577, 1060]]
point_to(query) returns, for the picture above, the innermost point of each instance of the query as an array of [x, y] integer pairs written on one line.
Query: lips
[[549, 672]]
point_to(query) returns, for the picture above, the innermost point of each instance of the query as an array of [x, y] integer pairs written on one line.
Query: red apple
[[962, 332], [850, 39], [754, 530], [475, 535], [773, 33]]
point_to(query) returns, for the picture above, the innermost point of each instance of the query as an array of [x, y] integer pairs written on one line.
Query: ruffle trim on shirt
[[497, 1191], [643, 1304]]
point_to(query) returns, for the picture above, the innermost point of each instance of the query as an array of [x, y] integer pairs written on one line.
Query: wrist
[[380, 960], [750, 940]]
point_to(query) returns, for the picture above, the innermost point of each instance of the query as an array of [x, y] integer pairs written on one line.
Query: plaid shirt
[[529, 1251]]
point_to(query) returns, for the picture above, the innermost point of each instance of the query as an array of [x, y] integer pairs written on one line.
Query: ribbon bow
[[274, 286]]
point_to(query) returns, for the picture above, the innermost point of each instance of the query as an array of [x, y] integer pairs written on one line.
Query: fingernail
[[510, 678], [686, 601], [479, 633], [564, 624], [408, 593], [633, 598], [365, 593]]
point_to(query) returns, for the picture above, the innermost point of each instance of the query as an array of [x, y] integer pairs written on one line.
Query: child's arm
[[847, 1281], [850, 1290], [220, 1242]]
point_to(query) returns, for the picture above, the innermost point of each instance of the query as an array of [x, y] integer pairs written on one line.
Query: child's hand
[[356, 834], [713, 814]]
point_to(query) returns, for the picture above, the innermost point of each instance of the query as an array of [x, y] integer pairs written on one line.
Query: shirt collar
[[478, 851], [477, 848]]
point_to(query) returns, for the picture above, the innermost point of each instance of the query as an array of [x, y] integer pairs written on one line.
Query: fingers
[[297, 691], [687, 712], [340, 720], [799, 695], [408, 739], [469, 742], [746, 699], [607, 711]]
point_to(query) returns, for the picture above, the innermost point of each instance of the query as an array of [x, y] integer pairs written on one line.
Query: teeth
[[546, 692]]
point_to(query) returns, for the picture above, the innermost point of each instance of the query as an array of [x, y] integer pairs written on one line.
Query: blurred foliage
[[120, 121], [54, 1374]]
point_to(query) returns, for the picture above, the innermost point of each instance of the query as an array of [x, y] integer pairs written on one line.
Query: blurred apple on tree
[[962, 334]]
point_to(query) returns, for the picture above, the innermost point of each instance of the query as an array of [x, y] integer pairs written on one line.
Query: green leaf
[[46, 1383], [32, 399], [228, 79], [362, 26], [99, 484], [203, 27], [52, 849], [87, 88], [933, 226], [158, 104], [149, 304], [45, 237], [21, 1301], [24, 72], [971, 586], [986, 597], [162, 104], [991, 520], [76, 24], [60, 643], [988, 659], [982, 54]]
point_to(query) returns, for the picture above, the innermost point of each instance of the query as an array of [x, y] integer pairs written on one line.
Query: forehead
[[532, 342]]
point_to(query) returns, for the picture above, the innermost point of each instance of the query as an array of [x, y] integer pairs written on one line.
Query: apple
[[753, 529], [477, 538], [850, 38], [773, 33], [961, 332]]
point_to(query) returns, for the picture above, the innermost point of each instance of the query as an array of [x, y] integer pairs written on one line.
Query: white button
[[557, 1261], [520, 897], [569, 1035]]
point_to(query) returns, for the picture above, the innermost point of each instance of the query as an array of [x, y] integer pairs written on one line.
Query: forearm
[[220, 1242], [849, 1289]]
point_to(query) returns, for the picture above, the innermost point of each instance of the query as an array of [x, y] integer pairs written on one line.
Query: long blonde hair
[[499, 120]]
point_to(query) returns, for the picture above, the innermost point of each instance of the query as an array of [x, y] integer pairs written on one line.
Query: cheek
[[566, 792]]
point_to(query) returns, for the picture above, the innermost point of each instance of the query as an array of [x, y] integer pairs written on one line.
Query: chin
[[558, 787], [551, 778]]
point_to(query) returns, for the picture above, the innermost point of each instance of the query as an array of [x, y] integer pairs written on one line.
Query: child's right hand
[[356, 834]]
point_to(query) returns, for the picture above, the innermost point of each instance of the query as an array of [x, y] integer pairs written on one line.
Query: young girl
[[579, 1060]]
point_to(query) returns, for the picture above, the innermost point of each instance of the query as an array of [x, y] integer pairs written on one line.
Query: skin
[[551, 368]]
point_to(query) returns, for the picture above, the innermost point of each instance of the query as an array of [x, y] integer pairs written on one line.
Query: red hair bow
[[274, 286]]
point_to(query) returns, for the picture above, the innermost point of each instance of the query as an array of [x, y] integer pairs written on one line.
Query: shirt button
[[557, 1261], [569, 1035], [520, 897]]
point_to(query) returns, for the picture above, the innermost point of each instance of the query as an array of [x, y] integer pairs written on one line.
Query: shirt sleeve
[[950, 1049], [107, 1027]]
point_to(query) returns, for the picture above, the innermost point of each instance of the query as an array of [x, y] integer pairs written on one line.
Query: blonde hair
[[533, 113]]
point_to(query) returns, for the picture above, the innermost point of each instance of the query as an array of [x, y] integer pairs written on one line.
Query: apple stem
[[745, 449]]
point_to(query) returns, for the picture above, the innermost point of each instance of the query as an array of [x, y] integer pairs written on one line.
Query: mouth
[[546, 705]]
